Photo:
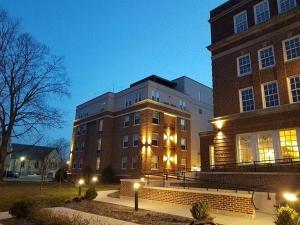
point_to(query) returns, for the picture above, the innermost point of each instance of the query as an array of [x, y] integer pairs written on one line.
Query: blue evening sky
[[109, 44]]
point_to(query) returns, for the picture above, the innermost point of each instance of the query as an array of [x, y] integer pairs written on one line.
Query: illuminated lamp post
[[80, 184], [136, 187]]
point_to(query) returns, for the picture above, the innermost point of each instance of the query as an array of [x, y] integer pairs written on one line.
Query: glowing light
[[68, 162], [22, 158], [81, 182], [94, 179], [291, 197], [219, 124], [136, 186], [142, 179]]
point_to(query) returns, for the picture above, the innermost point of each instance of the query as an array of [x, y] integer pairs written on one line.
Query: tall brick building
[[151, 126], [256, 82]]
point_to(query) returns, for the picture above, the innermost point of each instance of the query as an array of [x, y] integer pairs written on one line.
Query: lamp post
[[22, 159], [136, 187], [80, 183], [94, 181]]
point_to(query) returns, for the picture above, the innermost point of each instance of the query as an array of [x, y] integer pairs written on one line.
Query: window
[[135, 140], [182, 105], [134, 161], [286, 5], [124, 163], [240, 22], [270, 94], [155, 95], [183, 144], [82, 146], [265, 148], [128, 101], [138, 97], [244, 148], [125, 141], [154, 162], [244, 65], [288, 143], [292, 48], [183, 124], [154, 141], [22, 164], [294, 83], [261, 12], [74, 165], [99, 147], [266, 57], [155, 117], [80, 164], [247, 100], [211, 156], [98, 163], [136, 118], [183, 163], [36, 164], [126, 121], [100, 125]]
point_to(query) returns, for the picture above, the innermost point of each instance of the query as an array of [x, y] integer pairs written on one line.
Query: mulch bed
[[124, 213]]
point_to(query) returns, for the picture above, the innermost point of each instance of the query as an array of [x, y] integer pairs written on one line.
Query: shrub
[[90, 194], [286, 216], [77, 199], [22, 209], [108, 175], [200, 211]]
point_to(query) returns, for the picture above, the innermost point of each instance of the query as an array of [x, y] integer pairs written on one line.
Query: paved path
[[4, 215], [93, 218], [182, 210]]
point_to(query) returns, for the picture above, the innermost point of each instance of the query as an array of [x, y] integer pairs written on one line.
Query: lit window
[[124, 162], [100, 125], [183, 143], [244, 65], [295, 89], [136, 118], [266, 57], [261, 12], [270, 93], [240, 22], [183, 124], [155, 117], [265, 148], [126, 121], [134, 161], [135, 140], [247, 100], [125, 141], [211, 156], [155, 141], [99, 144], [98, 163], [244, 149], [288, 144], [154, 162], [292, 48], [286, 5]]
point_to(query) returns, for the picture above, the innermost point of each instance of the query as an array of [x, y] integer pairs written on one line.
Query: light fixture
[[94, 179], [136, 186], [142, 179], [81, 182], [291, 197], [22, 158], [219, 124]]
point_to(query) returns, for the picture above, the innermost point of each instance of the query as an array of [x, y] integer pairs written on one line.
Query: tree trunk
[[3, 153]]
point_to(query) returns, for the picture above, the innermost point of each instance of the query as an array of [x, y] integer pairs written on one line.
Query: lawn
[[52, 195]]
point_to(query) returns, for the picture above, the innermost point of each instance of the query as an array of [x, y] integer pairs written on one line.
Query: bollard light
[[136, 187], [80, 184]]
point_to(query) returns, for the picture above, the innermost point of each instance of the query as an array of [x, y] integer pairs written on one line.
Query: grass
[[52, 195]]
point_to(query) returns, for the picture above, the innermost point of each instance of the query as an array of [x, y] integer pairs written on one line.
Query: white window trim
[[124, 121], [132, 162], [255, 13], [234, 21], [259, 58], [238, 65], [124, 168], [289, 88], [241, 102], [123, 141], [134, 140], [263, 94], [278, 6], [284, 49]]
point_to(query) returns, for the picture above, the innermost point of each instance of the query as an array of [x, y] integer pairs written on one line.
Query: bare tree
[[30, 81]]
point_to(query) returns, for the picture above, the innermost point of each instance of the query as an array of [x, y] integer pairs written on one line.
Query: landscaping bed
[[124, 213]]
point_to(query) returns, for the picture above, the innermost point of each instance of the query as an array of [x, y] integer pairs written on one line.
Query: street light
[[22, 159], [80, 183], [136, 187]]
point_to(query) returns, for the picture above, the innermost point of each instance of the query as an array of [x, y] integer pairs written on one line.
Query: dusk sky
[[109, 44]]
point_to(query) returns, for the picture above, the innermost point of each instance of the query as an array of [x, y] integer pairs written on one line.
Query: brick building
[[149, 127], [256, 82]]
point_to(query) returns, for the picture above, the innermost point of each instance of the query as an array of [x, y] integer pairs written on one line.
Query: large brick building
[[151, 126], [256, 82]]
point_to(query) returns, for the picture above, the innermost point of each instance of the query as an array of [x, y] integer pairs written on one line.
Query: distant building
[[32, 160], [151, 126]]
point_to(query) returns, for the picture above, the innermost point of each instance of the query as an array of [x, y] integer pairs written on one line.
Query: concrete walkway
[[4, 216], [183, 210], [92, 218]]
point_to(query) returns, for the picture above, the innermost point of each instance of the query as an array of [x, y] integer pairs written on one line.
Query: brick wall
[[240, 204]]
